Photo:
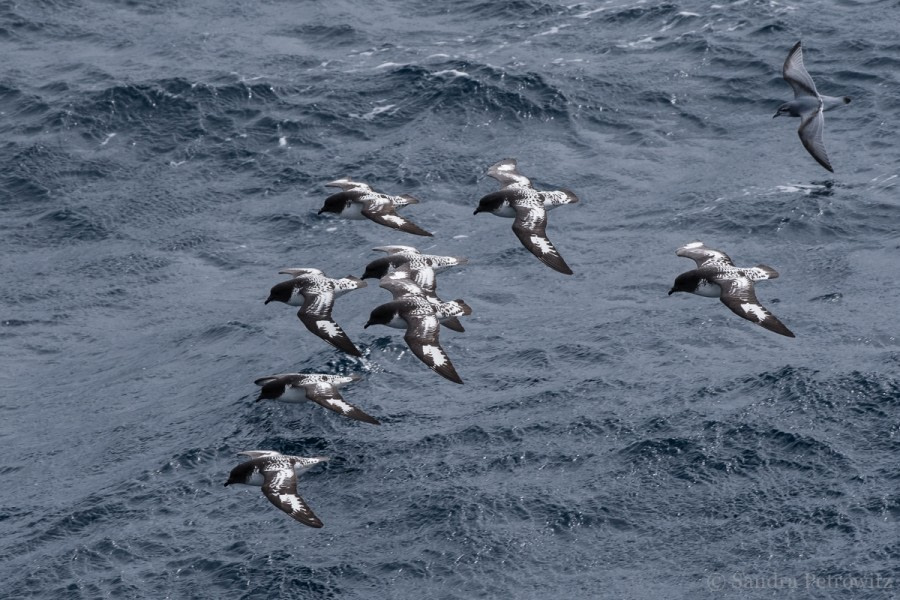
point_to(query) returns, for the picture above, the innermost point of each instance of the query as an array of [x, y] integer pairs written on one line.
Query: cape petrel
[[518, 199], [314, 387], [315, 293], [421, 319], [358, 201], [277, 474], [717, 277]]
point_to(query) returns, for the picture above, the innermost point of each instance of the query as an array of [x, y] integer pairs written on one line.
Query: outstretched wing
[[280, 487], [327, 329], [422, 338], [300, 271], [738, 295], [810, 132], [703, 256], [397, 249], [383, 213], [347, 184], [327, 395], [315, 314], [530, 226], [399, 285], [259, 453], [796, 74], [507, 174]]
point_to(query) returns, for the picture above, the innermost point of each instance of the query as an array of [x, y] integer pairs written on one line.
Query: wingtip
[[454, 377], [557, 264]]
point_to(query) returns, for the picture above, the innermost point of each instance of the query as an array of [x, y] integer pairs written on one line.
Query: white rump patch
[[435, 354], [328, 328], [755, 310], [544, 244]]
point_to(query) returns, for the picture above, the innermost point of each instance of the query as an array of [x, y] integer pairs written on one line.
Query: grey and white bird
[[421, 319], [315, 293], [359, 201], [277, 474], [716, 276], [809, 105], [518, 199], [312, 387]]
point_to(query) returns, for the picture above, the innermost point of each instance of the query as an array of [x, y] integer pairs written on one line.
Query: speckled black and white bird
[[315, 387], [421, 268], [421, 319], [518, 199], [808, 104], [277, 474], [358, 201], [400, 284], [315, 293], [717, 277]]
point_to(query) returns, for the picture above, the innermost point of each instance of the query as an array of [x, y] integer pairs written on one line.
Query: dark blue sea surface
[[162, 160]]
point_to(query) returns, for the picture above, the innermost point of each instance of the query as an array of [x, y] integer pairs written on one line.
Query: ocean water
[[162, 160]]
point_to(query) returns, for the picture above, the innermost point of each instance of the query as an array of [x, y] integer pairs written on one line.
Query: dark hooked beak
[[226, 483], [672, 291], [321, 210], [367, 325], [775, 115], [269, 299], [477, 210]]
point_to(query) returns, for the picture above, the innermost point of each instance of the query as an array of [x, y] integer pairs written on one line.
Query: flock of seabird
[[409, 276]]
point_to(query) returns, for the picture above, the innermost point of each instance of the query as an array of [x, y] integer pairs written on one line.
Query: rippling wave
[[163, 161]]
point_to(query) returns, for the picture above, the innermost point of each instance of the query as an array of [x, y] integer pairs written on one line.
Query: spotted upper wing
[[703, 256], [530, 226], [316, 316], [280, 487], [796, 75], [739, 296], [400, 285], [405, 250], [422, 338], [382, 212], [507, 173], [327, 395], [810, 132], [301, 271]]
